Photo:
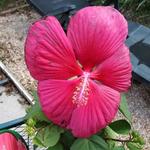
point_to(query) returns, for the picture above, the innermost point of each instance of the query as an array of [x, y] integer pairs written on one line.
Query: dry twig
[[14, 9]]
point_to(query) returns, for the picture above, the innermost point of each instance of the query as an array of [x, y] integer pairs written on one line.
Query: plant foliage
[[136, 10], [46, 134]]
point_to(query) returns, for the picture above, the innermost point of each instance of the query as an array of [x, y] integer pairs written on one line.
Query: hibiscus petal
[[96, 33], [101, 108], [115, 71], [9, 142], [56, 100], [49, 54]]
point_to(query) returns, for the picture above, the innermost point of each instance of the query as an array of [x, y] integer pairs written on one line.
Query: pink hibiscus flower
[[9, 142], [80, 75]]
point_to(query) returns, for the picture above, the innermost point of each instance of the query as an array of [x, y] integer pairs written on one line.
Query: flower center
[[80, 95]]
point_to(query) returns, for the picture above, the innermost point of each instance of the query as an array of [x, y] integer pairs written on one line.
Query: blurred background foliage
[[136, 10], [2, 2], [6, 4]]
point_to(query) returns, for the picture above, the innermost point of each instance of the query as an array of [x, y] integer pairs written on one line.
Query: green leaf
[[93, 143], [35, 111], [101, 144], [39, 138], [111, 144], [109, 133], [52, 135], [124, 108], [119, 148], [134, 146], [42, 124], [67, 139], [137, 138], [31, 122], [82, 144], [121, 126], [35, 96], [30, 131], [58, 146], [48, 136], [140, 4], [37, 142]]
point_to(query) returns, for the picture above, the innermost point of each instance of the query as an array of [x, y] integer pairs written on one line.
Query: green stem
[[119, 140]]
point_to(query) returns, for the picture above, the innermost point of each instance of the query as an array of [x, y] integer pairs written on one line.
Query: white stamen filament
[[80, 95]]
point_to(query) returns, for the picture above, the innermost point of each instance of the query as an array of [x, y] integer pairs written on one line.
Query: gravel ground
[[13, 29], [139, 105]]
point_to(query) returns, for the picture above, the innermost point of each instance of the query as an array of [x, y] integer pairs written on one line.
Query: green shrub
[[2, 3]]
